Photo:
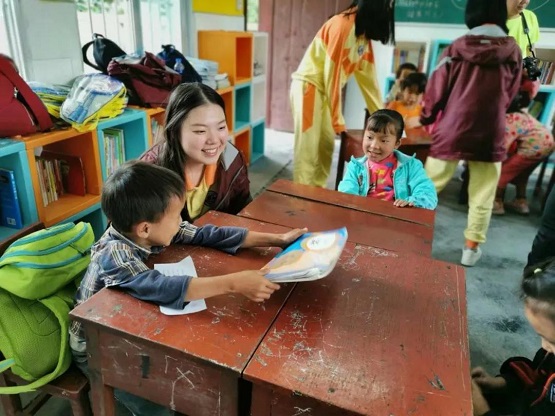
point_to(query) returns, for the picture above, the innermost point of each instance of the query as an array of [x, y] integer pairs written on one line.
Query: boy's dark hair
[[481, 12], [183, 99], [538, 287], [375, 19], [406, 65], [416, 79], [380, 120], [139, 191]]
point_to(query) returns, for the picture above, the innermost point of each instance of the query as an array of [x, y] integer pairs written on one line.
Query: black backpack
[[103, 52], [169, 54]]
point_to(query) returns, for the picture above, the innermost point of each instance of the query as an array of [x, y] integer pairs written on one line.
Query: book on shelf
[[535, 108], [114, 149], [58, 174], [10, 211], [547, 69], [157, 131], [412, 55], [312, 256]]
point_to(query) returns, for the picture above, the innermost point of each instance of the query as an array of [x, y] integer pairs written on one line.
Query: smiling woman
[[196, 147]]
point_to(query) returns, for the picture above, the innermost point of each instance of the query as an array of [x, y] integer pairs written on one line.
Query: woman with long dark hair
[[341, 48]]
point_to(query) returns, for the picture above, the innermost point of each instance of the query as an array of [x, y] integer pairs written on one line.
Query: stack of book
[[59, 174], [547, 68], [114, 149], [208, 70]]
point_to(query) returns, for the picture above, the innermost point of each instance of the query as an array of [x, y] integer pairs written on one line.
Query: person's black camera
[[531, 66]]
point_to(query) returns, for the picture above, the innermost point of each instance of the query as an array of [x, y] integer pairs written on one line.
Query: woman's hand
[[402, 203], [479, 403], [486, 382]]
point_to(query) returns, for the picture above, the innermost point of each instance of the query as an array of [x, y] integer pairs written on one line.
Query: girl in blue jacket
[[386, 173]]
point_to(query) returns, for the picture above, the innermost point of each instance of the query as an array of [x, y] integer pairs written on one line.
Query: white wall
[[50, 40], [354, 103], [209, 21]]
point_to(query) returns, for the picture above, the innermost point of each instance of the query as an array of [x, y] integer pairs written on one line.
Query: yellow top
[[331, 58], [516, 30], [196, 195]]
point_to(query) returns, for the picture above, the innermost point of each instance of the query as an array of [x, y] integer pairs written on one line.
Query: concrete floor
[[497, 327]]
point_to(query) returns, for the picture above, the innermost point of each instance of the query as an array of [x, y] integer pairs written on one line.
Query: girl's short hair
[[481, 12], [538, 287], [381, 121], [375, 19], [402, 67], [139, 191], [416, 79], [183, 99]]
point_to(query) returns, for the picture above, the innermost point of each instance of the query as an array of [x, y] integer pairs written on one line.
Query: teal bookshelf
[[257, 140], [436, 49], [389, 81], [242, 107], [94, 216], [14, 157], [543, 105], [133, 123]]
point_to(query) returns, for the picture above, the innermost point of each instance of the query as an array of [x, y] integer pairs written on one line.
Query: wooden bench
[[72, 385]]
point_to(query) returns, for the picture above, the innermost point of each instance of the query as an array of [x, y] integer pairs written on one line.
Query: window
[[9, 38], [4, 44], [110, 18], [252, 15], [160, 24]]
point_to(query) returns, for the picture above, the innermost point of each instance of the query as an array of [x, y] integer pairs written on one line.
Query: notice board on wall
[[229, 7]]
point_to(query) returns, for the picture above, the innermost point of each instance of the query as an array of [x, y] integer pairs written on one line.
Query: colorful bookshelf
[[14, 157], [543, 105], [134, 128], [242, 141], [155, 119], [436, 49], [242, 106], [410, 52], [232, 50], [72, 142], [228, 96], [257, 141]]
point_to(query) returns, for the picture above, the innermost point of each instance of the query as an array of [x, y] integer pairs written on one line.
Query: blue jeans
[[135, 404]]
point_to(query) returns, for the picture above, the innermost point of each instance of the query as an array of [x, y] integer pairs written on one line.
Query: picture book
[[10, 212], [312, 256], [72, 173]]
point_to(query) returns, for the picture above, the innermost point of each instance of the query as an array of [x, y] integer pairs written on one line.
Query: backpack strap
[[30, 98], [59, 305], [85, 49]]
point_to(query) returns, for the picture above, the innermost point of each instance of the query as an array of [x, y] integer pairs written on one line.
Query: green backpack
[[39, 275]]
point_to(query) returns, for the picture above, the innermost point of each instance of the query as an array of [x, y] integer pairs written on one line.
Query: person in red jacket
[[475, 81], [525, 387], [196, 146]]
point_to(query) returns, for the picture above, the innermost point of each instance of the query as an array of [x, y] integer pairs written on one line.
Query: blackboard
[[452, 11]]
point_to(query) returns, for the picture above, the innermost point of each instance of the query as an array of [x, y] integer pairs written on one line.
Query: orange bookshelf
[[232, 50], [227, 95], [84, 145], [242, 141], [154, 115]]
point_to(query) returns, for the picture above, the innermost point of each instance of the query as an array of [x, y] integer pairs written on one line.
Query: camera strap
[[527, 32]]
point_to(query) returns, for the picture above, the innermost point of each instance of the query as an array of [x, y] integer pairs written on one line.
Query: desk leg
[[103, 401]]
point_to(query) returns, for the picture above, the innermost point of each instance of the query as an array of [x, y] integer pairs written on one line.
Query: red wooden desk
[[359, 203], [190, 363], [381, 335], [363, 227]]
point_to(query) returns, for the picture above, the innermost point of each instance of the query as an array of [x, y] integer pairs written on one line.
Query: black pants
[[544, 243]]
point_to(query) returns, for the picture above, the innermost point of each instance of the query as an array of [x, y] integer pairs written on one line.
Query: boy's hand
[[402, 203], [253, 285], [479, 403], [287, 238], [487, 382]]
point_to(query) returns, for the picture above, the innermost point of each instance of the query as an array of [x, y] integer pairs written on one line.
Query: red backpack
[[21, 110]]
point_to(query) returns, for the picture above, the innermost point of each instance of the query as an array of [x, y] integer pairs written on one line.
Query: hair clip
[[538, 270]]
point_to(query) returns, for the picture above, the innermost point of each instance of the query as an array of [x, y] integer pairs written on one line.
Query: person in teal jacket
[[386, 173]]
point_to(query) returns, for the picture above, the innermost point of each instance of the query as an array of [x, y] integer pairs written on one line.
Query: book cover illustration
[[10, 212], [312, 256]]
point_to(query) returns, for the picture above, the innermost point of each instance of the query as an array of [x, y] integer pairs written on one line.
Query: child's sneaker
[[470, 256], [520, 206], [498, 208]]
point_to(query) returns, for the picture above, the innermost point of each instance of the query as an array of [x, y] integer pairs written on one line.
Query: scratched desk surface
[[360, 203], [384, 334], [192, 362], [363, 227]]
